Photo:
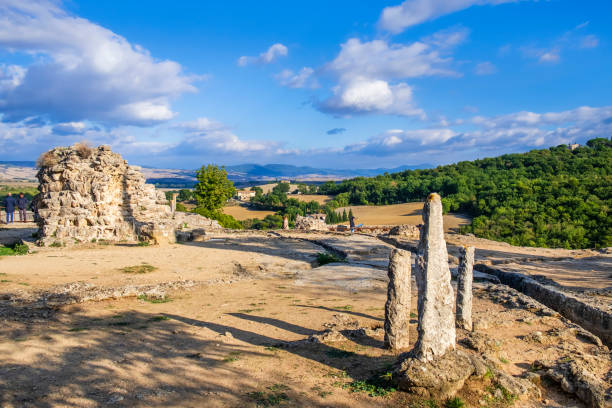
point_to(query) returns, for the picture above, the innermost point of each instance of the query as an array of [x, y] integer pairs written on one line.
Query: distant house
[[573, 146], [245, 195]]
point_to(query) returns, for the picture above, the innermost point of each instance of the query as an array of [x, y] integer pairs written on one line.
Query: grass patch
[[379, 385], [78, 329], [142, 268], [324, 258], [275, 396], [149, 299], [454, 403], [15, 249], [232, 356], [5, 281], [504, 360], [56, 244], [348, 308], [143, 243]]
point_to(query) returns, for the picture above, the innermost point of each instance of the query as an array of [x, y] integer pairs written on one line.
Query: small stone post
[[436, 328], [397, 308], [173, 202], [465, 277]]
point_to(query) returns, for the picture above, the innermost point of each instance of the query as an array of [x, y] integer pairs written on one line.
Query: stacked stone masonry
[[91, 194]]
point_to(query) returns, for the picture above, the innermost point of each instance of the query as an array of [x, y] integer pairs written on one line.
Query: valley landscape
[[398, 205]]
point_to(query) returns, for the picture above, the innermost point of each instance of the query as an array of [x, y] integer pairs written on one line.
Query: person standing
[[22, 204], [285, 222], [9, 207], [352, 222]]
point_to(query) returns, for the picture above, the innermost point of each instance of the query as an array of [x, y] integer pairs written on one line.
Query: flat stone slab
[[349, 276]]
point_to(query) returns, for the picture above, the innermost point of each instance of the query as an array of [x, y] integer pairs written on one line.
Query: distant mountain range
[[241, 174]]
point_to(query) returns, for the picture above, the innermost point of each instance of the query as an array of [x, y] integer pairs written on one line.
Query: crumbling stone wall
[[89, 194], [310, 223]]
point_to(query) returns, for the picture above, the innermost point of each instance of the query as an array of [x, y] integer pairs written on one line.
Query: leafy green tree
[[213, 188]]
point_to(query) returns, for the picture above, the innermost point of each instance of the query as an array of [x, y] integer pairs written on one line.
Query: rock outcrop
[[91, 194], [397, 308]]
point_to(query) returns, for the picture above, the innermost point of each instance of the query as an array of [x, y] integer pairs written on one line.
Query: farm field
[[319, 198], [244, 213], [397, 214]]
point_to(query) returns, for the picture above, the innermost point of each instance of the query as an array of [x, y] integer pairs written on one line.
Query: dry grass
[[83, 149], [244, 213], [398, 214], [47, 159], [319, 198]]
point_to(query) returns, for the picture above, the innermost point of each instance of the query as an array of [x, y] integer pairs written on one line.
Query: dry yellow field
[[397, 214], [244, 213], [321, 199]]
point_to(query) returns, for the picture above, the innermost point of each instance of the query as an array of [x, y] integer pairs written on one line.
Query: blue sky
[[329, 84]]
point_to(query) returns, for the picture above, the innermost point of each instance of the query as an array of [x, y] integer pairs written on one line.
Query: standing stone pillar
[[465, 277], [173, 202], [397, 308], [436, 328]]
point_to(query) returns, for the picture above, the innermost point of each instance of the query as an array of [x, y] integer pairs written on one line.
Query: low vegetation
[[16, 249], [324, 258], [137, 269]]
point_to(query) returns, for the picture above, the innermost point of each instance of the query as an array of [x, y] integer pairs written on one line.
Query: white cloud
[[81, 70], [370, 74], [302, 79], [551, 56], [412, 12], [204, 134], [69, 128], [485, 68], [270, 55]]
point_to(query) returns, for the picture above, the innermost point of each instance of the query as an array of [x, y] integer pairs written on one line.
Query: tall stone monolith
[[465, 277], [397, 308], [436, 328]]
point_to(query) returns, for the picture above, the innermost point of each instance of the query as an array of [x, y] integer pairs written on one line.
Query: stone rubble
[[397, 308], [465, 277], [310, 223], [92, 194]]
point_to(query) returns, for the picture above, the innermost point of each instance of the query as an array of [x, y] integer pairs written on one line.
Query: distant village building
[[573, 146], [245, 195]]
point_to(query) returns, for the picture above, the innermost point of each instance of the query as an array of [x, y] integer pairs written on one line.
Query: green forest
[[553, 197]]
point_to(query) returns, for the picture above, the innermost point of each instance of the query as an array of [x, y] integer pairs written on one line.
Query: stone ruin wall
[[90, 194]]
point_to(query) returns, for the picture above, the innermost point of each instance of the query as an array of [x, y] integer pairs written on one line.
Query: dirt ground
[[238, 336]]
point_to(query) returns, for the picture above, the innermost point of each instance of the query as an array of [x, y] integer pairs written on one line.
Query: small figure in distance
[[9, 207], [285, 222], [352, 223], [22, 204]]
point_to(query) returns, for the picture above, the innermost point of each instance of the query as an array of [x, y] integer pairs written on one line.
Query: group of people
[[10, 203]]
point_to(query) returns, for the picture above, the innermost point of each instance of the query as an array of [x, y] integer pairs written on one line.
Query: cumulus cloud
[[266, 57], [485, 68], [370, 74], [81, 70], [396, 19], [69, 128], [302, 79]]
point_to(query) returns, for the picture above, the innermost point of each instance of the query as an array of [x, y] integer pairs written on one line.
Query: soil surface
[[238, 334]]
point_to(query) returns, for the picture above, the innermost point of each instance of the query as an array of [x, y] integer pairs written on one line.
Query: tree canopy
[[213, 188]]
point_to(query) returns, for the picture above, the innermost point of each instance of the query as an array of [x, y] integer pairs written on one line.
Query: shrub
[[47, 159], [83, 149], [324, 258], [454, 403], [226, 221]]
